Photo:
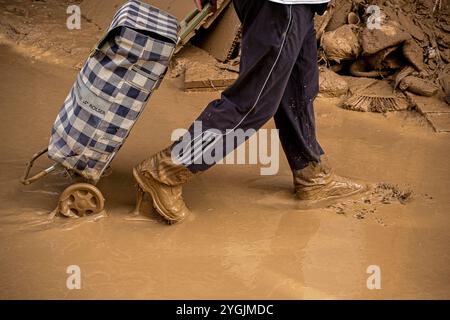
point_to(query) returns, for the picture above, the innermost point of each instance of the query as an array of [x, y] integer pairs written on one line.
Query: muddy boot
[[162, 179], [317, 182]]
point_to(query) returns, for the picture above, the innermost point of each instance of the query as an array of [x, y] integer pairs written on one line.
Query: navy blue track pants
[[278, 78]]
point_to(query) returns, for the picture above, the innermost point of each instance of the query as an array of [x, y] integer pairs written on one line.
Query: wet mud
[[248, 237]]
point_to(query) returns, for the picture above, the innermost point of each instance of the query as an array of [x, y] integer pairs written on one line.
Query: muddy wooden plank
[[201, 77], [439, 121], [202, 73], [193, 81], [428, 104], [209, 85]]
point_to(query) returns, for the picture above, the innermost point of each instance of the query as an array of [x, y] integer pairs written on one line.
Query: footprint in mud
[[366, 206]]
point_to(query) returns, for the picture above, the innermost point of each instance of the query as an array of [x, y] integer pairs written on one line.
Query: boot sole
[[155, 200]]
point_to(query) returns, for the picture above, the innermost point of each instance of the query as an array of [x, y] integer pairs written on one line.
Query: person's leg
[[313, 177], [272, 38], [295, 116]]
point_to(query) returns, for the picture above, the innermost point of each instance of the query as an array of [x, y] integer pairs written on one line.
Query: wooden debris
[[224, 36], [199, 19], [194, 83], [426, 105], [199, 70], [439, 121], [436, 111]]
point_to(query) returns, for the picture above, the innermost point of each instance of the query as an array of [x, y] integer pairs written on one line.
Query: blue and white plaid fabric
[[112, 89]]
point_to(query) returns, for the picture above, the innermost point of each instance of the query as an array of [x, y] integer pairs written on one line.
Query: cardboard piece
[[223, 36]]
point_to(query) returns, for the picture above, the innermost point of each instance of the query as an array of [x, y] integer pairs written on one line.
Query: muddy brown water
[[248, 237]]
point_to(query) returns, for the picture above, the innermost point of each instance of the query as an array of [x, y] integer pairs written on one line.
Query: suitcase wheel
[[81, 199]]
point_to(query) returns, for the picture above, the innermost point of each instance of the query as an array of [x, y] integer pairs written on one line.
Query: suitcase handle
[[28, 180]]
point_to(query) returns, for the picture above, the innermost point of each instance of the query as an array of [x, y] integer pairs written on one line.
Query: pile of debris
[[389, 54], [405, 42]]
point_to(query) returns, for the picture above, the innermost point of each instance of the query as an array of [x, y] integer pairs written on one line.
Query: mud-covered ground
[[248, 237]]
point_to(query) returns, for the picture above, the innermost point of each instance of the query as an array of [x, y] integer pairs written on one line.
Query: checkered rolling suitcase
[[108, 96]]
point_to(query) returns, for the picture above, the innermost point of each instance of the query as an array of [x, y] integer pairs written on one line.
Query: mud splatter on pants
[[278, 78]]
